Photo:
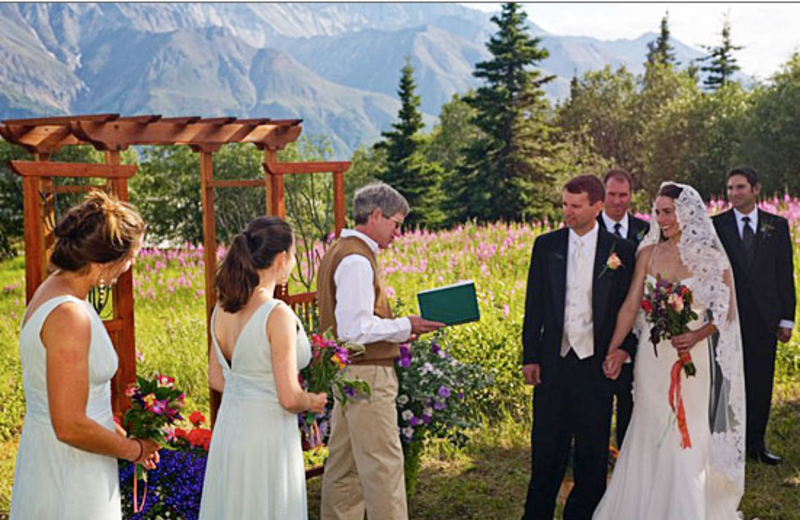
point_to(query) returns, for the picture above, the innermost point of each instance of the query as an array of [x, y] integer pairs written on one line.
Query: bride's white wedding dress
[[655, 478]]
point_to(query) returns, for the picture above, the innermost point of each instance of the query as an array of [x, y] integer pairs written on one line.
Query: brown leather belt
[[368, 362]]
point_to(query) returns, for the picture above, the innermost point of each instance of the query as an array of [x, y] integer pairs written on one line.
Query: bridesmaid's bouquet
[[668, 308], [325, 373], [155, 408]]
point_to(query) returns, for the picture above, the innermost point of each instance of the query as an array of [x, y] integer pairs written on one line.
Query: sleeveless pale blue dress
[[255, 462], [52, 480]]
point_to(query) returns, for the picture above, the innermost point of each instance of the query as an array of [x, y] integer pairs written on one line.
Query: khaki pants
[[365, 466]]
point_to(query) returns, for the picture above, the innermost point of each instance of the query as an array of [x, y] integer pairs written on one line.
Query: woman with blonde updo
[[67, 460]]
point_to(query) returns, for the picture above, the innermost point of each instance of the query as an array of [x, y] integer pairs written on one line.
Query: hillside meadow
[[484, 477]]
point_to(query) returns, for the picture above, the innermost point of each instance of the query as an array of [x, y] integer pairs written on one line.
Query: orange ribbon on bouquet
[[675, 397], [136, 507]]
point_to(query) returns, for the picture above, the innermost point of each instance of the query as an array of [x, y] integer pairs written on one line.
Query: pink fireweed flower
[[131, 390]]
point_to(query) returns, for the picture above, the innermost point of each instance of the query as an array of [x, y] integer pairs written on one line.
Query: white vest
[[578, 322]]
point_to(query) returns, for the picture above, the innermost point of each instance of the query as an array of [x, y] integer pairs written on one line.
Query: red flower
[[197, 418], [180, 433], [647, 306]]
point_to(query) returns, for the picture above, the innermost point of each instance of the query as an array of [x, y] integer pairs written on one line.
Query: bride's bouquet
[[325, 373], [668, 308]]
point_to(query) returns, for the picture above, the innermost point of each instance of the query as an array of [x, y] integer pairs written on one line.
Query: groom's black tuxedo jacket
[[768, 280], [543, 326]]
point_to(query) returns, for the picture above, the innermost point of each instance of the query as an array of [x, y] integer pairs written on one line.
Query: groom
[[578, 279]]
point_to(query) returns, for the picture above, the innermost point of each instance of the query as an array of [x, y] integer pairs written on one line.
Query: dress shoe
[[765, 456]]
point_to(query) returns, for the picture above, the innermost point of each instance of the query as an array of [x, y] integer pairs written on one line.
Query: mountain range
[[334, 65]]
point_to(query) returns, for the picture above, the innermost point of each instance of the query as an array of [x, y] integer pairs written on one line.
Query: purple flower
[[349, 391], [438, 406], [435, 348], [426, 419], [159, 407], [460, 395], [415, 421], [404, 362], [444, 391]]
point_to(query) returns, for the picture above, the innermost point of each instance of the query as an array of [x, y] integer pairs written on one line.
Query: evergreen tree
[[406, 168], [506, 169], [721, 62], [660, 50]]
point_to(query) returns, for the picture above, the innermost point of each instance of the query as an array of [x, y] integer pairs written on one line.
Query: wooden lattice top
[[48, 135]]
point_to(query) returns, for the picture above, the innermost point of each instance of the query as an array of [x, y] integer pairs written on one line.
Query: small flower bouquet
[[434, 399], [325, 373], [155, 407], [668, 308]]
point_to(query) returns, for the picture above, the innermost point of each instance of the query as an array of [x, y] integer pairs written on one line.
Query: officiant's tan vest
[[380, 353]]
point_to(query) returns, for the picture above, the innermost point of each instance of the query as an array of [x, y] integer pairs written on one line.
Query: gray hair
[[377, 195]]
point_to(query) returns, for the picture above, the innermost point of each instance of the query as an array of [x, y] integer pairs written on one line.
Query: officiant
[[364, 471]]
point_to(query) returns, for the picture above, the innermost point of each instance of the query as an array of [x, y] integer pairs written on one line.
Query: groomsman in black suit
[[760, 249], [616, 219], [578, 278]]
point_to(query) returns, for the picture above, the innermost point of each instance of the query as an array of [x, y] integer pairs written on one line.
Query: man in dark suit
[[579, 277], [760, 249], [616, 219]]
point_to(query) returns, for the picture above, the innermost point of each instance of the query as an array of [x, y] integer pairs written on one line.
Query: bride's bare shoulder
[[645, 253]]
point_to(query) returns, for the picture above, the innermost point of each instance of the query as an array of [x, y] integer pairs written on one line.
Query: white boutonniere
[[766, 230], [613, 262]]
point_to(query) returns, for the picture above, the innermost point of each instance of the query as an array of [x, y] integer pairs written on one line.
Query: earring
[[102, 287]]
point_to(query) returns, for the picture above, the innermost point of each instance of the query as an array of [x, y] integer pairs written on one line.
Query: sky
[[770, 32]]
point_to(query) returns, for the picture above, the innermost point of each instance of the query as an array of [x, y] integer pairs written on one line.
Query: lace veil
[[703, 253]]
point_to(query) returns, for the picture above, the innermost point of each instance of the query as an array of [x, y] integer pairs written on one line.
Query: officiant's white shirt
[[355, 301], [578, 323]]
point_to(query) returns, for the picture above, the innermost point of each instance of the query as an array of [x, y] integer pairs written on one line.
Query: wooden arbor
[[111, 134]]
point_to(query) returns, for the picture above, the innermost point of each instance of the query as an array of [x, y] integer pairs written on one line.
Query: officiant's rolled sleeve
[[355, 306]]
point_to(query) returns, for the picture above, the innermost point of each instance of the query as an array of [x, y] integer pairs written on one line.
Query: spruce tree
[[406, 168], [660, 50], [721, 62], [506, 169]]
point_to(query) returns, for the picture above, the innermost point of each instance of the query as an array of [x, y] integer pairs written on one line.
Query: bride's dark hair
[[670, 190]]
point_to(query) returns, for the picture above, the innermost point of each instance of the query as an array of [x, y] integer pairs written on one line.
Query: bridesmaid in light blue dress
[[255, 461], [66, 465]]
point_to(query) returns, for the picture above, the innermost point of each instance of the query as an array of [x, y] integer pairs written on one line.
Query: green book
[[452, 304]]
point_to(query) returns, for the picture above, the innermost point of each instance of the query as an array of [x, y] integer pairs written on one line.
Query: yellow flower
[[335, 359], [149, 399]]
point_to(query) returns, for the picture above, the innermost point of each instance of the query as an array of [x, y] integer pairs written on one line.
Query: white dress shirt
[[355, 301], [610, 222], [578, 323], [740, 224]]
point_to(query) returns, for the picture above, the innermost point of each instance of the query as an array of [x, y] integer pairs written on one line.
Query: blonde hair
[[101, 229]]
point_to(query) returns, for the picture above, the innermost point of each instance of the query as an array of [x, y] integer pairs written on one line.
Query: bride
[[658, 476]]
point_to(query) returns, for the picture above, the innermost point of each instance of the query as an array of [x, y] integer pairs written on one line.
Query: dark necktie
[[617, 228], [748, 239]]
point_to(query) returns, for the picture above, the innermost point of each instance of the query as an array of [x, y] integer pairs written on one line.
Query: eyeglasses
[[398, 224]]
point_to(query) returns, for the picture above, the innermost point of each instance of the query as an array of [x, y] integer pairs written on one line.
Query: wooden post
[[270, 156], [338, 202], [123, 311], [34, 236], [210, 256]]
